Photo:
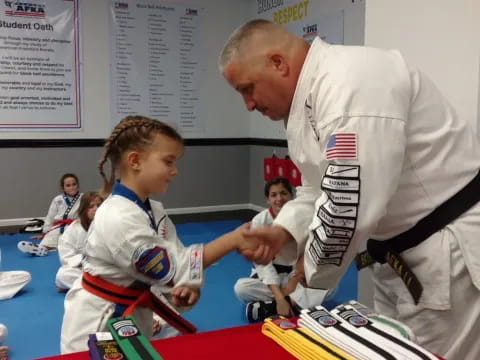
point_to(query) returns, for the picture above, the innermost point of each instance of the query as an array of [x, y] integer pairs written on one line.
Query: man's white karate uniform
[[379, 149]]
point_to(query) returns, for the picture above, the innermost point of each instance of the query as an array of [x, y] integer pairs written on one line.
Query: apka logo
[[127, 331], [18, 8], [310, 30]]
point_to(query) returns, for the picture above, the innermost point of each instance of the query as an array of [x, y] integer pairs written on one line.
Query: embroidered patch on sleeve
[[154, 263], [342, 146], [337, 215], [196, 257]]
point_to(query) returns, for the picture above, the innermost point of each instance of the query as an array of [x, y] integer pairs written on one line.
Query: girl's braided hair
[[132, 133]]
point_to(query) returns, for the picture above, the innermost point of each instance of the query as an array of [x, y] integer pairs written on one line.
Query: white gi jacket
[[379, 148], [56, 211], [71, 248], [118, 236]]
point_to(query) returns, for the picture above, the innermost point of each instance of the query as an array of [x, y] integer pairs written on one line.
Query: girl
[[273, 288], [132, 246], [71, 244], [63, 210]]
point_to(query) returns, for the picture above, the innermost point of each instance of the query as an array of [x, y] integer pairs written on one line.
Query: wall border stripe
[[60, 143]]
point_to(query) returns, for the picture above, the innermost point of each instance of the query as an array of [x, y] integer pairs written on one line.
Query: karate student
[[63, 210], [132, 245], [383, 156], [274, 288], [11, 282], [71, 244]]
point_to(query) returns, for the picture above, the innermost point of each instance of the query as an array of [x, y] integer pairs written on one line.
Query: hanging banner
[[39, 65], [157, 62], [303, 18]]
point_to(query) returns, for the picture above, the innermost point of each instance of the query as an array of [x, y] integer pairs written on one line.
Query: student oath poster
[[39, 65]]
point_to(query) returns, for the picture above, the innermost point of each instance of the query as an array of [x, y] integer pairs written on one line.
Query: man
[[379, 149]]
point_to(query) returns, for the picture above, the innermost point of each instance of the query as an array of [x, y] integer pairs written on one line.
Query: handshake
[[262, 244]]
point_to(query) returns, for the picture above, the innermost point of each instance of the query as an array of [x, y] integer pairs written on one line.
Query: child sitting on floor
[[63, 210], [275, 289]]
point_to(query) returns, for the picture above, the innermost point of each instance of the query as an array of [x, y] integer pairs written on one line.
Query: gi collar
[[122, 190]]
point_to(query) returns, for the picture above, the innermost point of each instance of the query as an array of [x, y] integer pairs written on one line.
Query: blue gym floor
[[34, 315]]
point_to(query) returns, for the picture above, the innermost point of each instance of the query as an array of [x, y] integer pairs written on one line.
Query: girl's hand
[[184, 296]]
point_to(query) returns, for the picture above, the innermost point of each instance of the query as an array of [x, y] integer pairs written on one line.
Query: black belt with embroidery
[[388, 251]]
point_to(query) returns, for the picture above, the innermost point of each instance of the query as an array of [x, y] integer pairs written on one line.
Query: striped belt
[[133, 298]]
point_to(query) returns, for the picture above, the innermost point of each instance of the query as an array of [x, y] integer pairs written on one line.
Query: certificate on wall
[[39, 65], [157, 62]]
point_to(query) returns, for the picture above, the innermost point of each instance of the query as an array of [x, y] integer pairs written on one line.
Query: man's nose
[[249, 103]]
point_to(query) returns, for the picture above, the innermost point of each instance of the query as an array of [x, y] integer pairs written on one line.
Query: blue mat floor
[[34, 315]]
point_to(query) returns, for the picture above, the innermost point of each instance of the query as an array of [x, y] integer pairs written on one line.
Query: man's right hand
[[266, 242]]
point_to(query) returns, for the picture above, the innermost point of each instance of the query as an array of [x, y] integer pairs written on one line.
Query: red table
[[236, 343]]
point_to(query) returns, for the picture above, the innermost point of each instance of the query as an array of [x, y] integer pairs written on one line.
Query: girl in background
[[275, 289], [63, 210], [71, 244]]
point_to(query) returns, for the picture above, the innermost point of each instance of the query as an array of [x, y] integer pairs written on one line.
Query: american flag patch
[[342, 146]]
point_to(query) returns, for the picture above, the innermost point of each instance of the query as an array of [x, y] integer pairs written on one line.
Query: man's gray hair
[[232, 50]]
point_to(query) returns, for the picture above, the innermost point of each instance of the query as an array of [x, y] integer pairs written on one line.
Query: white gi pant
[[51, 238], [91, 314], [253, 289], [450, 303]]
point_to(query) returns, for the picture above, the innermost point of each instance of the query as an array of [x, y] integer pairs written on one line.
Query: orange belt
[[133, 298]]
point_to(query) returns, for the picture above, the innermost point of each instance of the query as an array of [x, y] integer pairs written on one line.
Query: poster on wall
[[157, 62], [39, 65], [303, 19]]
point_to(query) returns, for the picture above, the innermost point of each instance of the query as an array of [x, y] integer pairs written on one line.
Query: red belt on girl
[[133, 298]]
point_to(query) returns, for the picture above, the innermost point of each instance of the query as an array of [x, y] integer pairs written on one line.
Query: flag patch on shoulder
[[342, 146]]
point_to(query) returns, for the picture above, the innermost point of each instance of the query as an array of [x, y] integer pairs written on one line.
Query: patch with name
[[196, 256], [343, 171], [343, 222], [342, 237], [341, 146], [340, 184], [154, 263], [341, 197], [319, 259], [311, 120], [340, 210]]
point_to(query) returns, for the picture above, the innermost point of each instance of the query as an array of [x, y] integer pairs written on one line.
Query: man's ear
[[279, 63], [133, 160]]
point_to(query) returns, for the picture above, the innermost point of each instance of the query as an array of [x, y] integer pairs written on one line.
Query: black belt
[[388, 251], [281, 269]]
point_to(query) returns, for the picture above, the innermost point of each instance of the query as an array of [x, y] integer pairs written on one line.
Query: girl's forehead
[[69, 180]]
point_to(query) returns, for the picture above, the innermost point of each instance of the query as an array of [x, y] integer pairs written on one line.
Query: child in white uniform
[[274, 288], [132, 245], [63, 210], [11, 282], [71, 244]]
